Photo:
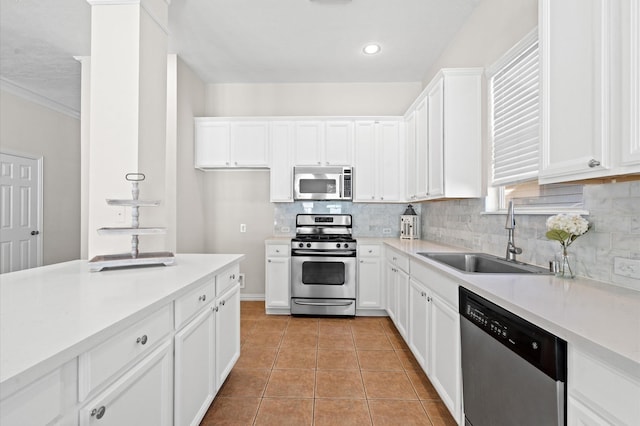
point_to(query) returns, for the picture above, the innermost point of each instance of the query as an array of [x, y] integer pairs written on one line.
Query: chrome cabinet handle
[[222, 302], [370, 251], [593, 163], [98, 412], [35, 232], [269, 260], [277, 250], [142, 340], [202, 298], [216, 308]]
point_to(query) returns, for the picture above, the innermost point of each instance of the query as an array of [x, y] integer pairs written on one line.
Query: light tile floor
[[324, 371]]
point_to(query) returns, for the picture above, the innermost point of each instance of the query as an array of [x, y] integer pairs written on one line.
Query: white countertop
[[49, 315], [604, 317]]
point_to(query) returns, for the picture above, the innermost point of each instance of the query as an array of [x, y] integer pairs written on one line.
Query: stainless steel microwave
[[323, 183]]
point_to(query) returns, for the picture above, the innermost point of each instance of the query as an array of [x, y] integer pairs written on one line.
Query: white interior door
[[20, 213]]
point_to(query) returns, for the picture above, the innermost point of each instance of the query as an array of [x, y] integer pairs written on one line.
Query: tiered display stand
[[133, 258]]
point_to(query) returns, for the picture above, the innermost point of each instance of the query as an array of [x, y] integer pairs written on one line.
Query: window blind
[[515, 121]]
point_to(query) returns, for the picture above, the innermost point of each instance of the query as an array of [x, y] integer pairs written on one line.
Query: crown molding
[[29, 95]]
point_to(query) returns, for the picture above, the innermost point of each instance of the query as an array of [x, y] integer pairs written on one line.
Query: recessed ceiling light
[[371, 48]]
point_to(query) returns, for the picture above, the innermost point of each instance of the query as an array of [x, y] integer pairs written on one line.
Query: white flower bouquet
[[566, 228]]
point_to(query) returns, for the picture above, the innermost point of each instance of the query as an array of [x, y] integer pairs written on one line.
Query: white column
[[127, 116]]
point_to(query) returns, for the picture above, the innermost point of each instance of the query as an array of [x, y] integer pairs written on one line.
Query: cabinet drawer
[[227, 278], [369, 250], [398, 259], [280, 250], [191, 303], [106, 359]]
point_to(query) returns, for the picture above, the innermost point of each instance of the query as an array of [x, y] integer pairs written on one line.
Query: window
[[514, 123]]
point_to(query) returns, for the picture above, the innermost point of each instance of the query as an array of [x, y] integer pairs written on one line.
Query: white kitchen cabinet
[[601, 390], [397, 281], [229, 144], [435, 139], [195, 373], [435, 340], [421, 151], [277, 278], [48, 400], [379, 161], [411, 160], [323, 143], [281, 174], [142, 396], [628, 153], [419, 313], [371, 290], [227, 335]]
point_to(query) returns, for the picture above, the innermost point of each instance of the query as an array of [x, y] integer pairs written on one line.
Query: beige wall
[[310, 99], [32, 129], [492, 29], [190, 182]]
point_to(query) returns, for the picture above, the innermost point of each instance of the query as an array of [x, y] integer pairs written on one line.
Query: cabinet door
[[391, 280], [630, 140], [213, 140], [370, 289], [227, 333], [281, 177], [389, 165], [580, 415], [338, 143], [445, 354], [365, 161], [575, 61], [194, 369], [422, 126], [411, 159], [143, 396], [403, 303], [435, 141], [308, 140], [250, 144], [277, 283], [418, 323]]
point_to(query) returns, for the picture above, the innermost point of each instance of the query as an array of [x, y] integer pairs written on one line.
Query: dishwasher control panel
[[537, 346]]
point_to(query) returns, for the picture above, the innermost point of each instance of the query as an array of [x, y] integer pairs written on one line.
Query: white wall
[[29, 128]]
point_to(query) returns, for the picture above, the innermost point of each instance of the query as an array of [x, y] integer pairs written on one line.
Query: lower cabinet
[[277, 278], [195, 384], [397, 281], [371, 294], [418, 323], [227, 344], [142, 396]]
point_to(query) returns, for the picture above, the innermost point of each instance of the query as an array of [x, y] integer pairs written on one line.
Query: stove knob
[[346, 245], [300, 245], [308, 245], [338, 245]]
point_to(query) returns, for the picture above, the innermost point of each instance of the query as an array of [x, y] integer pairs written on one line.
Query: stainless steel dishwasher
[[513, 372]]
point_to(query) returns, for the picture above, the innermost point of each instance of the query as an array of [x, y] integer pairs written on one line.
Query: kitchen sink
[[482, 263]]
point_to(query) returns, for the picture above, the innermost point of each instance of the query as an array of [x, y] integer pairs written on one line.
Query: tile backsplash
[[614, 213]]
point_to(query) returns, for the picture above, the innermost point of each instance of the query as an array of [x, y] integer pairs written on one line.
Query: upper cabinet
[[323, 143], [281, 176], [378, 161], [222, 143], [590, 114], [447, 152]]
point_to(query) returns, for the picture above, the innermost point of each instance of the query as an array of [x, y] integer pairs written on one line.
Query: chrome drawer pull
[[202, 298], [98, 412], [593, 163], [323, 303], [142, 340]]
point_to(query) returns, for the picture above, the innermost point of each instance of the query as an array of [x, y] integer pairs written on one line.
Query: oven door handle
[[342, 253], [324, 303]]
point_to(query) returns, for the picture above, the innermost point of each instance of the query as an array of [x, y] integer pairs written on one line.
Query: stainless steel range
[[323, 266]]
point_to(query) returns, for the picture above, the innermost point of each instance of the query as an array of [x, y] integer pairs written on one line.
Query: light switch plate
[[626, 267]]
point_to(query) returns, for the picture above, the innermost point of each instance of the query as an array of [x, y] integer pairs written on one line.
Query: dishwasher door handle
[[324, 303]]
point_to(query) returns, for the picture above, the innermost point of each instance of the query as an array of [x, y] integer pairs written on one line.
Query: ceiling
[[240, 41]]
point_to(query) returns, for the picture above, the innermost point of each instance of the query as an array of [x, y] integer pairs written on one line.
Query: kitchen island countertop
[[49, 315]]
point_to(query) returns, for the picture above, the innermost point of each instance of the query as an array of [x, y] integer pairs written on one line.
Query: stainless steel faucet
[[512, 250]]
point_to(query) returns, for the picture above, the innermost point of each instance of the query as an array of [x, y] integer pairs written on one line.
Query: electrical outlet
[[626, 267], [284, 229], [386, 231], [243, 227]]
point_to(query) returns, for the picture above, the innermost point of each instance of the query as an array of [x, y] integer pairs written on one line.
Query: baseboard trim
[[252, 297]]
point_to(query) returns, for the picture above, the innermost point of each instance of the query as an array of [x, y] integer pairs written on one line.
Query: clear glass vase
[[565, 264]]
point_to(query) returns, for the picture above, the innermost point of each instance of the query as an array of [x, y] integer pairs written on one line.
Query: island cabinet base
[[161, 365]]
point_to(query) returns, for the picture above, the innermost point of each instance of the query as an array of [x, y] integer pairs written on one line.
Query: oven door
[[323, 277]]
